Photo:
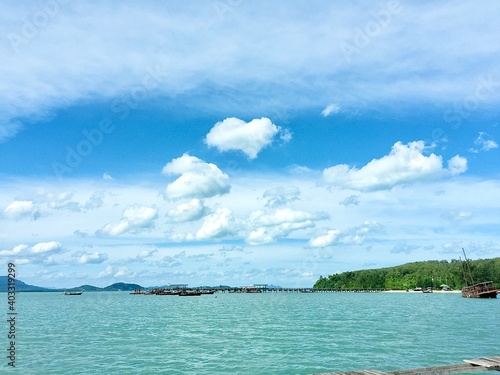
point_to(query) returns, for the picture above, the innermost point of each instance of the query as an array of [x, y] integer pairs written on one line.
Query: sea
[[233, 333]]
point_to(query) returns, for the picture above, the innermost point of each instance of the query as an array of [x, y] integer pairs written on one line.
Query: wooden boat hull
[[472, 294], [168, 293], [481, 290]]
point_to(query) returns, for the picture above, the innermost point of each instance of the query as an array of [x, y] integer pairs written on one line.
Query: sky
[[231, 142]]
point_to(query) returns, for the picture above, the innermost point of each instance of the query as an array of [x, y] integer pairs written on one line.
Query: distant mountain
[[121, 287], [20, 286], [87, 288]]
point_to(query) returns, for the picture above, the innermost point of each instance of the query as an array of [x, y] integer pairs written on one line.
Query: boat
[[253, 290], [168, 292], [73, 293], [207, 291], [484, 289], [186, 293], [140, 291], [427, 290]]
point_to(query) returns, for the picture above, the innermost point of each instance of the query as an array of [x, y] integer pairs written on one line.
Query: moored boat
[[168, 292], [207, 291], [73, 293], [186, 293], [485, 289], [140, 291]]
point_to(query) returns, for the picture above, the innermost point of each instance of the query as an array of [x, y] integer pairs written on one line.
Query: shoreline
[[419, 291]]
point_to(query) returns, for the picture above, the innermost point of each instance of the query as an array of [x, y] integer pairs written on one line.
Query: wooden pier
[[296, 290], [469, 365]]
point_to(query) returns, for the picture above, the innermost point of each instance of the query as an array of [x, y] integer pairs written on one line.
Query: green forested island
[[432, 273]]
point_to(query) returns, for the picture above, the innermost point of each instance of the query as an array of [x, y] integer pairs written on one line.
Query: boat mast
[[467, 268]]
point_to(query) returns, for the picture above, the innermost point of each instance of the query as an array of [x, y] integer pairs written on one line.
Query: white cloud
[[134, 219], [60, 200], [217, 225], [351, 236], [91, 258], [146, 253], [96, 200], [198, 179], [325, 240], [404, 248], [124, 272], [42, 252], [458, 215], [116, 273], [457, 165], [8, 129], [281, 195], [489, 145], [404, 164], [46, 247], [267, 227], [30, 89], [18, 249], [483, 143], [107, 272], [188, 211], [351, 200], [331, 108], [21, 209], [234, 134]]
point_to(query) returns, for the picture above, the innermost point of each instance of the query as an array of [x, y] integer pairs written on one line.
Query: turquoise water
[[269, 333]]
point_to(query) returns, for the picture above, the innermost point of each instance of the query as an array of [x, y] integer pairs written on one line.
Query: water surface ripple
[[268, 333]]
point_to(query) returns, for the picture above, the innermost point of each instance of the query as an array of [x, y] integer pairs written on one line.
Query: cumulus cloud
[[91, 258], [188, 211], [116, 272], [326, 239], [217, 225], [64, 200], [41, 252], [21, 209], [198, 179], [233, 134], [330, 108], [281, 195], [351, 236], [457, 165], [404, 164], [134, 219], [267, 227]]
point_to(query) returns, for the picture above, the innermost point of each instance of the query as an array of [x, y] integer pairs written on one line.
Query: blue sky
[[232, 142]]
